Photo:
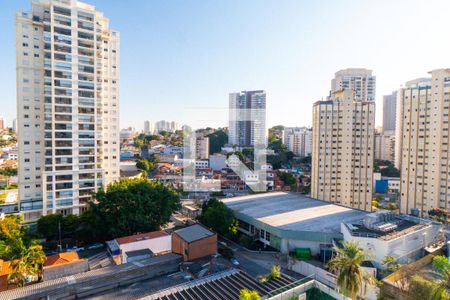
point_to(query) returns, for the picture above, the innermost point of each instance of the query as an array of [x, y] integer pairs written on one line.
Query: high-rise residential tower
[[67, 106], [247, 118], [2, 123], [423, 149], [342, 151], [389, 112], [357, 79], [298, 140], [149, 127]]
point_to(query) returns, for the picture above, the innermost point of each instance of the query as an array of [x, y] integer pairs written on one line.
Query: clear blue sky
[[180, 55]]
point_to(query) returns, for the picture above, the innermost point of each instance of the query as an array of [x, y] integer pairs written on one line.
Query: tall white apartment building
[[247, 118], [149, 127], [357, 79], [342, 151], [385, 145], [423, 143], [201, 147], [298, 140], [67, 106], [389, 112], [164, 125]]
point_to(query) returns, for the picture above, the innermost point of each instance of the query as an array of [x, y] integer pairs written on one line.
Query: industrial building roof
[[289, 213], [194, 233], [225, 285]]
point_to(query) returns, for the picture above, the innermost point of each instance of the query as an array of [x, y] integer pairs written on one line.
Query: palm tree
[[441, 287], [29, 263], [351, 279]]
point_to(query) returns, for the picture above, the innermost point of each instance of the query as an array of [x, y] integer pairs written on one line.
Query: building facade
[[298, 140], [342, 151], [201, 147], [67, 106], [2, 123], [389, 112], [164, 125], [423, 143], [247, 118], [385, 145], [360, 80], [149, 127]]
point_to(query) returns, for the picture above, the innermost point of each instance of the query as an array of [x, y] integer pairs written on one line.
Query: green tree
[[219, 217], [28, 264], [139, 143], [441, 287], [217, 140], [144, 165], [275, 272], [392, 206], [130, 206], [375, 203], [8, 172], [277, 146], [390, 262], [352, 279], [306, 159], [48, 226], [245, 294], [287, 178], [25, 254]]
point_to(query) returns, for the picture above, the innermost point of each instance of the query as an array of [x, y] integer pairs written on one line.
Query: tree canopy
[[144, 165], [217, 140], [352, 279], [287, 178], [130, 206], [48, 226], [24, 253], [217, 216]]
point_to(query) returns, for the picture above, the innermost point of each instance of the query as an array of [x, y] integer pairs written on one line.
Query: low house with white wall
[[158, 242], [384, 233]]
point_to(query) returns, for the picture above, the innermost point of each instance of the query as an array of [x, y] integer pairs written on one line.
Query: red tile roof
[[141, 236], [59, 259]]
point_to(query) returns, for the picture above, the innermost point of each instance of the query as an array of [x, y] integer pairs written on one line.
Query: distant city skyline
[[194, 54]]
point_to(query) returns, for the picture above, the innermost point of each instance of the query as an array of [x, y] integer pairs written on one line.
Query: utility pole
[[59, 231]]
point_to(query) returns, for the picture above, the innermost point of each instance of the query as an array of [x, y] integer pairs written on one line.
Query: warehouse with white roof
[[287, 221]]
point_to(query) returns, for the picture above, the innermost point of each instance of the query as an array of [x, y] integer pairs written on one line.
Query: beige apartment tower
[[423, 143], [67, 106], [342, 150]]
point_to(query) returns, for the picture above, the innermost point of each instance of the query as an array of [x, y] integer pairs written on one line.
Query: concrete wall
[[196, 249], [327, 278], [288, 245], [65, 270]]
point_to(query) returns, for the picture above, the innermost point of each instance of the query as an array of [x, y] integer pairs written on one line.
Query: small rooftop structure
[[158, 242], [194, 233], [141, 236], [386, 225]]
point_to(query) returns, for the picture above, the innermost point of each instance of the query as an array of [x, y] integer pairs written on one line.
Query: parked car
[[75, 249], [95, 246], [234, 261]]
